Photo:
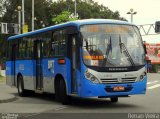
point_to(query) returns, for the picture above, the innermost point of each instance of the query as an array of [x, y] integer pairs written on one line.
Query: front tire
[[114, 99], [20, 86]]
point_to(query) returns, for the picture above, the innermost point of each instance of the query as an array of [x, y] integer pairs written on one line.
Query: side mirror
[[157, 27], [145, 49], [80, 39]]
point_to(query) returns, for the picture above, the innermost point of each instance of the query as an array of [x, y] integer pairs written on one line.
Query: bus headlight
[[142, 76], [91, 77], [87, 75]]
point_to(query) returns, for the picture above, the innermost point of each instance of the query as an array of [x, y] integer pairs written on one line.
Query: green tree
[[85, 9], [63, 17], [43, 12], [8, 14]]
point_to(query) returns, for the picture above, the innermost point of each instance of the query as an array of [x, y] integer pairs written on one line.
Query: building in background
[[153, 55]]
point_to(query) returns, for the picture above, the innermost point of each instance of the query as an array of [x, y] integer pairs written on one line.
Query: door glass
[[73, 64], [74, 52], [38, 66]]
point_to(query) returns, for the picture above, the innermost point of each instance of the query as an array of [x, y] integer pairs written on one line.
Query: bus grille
[[120, 80]]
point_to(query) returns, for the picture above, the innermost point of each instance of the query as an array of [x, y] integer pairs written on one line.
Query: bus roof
[[76, 23]]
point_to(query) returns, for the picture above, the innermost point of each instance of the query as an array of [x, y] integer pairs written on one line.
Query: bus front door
[[39, 75], [72, 53]]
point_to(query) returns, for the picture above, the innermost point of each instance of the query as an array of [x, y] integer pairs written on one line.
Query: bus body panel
[[26, 68], [48, 75], [10, 73], [51, 68]]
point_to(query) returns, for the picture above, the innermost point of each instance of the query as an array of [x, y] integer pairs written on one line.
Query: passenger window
[[59, 43]]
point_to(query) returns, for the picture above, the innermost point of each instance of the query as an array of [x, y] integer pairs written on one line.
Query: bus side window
[[59, 43], [46, 48], [20, 49], [8, 53], [29, 48], [46, 44]]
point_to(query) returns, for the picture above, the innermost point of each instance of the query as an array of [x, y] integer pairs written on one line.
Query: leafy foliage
[[63, 17], [86, 9]]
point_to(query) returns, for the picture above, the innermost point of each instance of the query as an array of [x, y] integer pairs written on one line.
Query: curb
[[2, 80], [8, 98]]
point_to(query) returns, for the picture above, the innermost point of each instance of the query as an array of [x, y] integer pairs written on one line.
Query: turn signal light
[[61, 61]]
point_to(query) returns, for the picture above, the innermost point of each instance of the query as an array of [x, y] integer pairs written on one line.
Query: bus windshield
[[112, 45]]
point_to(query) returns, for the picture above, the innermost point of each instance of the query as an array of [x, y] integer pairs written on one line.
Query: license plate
[[118, 88]]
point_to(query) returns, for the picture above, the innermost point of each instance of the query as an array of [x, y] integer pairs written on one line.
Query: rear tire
[[20, 86], [114, 99], [57, 91], [64, 98]]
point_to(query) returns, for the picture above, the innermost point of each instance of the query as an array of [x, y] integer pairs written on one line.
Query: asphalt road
[[44, 106]]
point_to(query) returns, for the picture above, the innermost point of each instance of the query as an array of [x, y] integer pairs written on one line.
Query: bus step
[[39, 91]]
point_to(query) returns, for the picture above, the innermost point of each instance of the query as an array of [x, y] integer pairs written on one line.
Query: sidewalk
[[6, 92], [2, 79]]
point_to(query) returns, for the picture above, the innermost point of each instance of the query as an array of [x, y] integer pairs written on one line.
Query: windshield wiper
[[125, 51], [109, 47]]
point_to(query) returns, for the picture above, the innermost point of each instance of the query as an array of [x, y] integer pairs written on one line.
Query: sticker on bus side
[[51, 65], [21, 67]]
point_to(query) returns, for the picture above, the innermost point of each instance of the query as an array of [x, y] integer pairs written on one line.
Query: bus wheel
[[20, 87], [114, 99], [57, 91], [64, 98]]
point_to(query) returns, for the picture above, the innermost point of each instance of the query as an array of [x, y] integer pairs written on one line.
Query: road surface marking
[[152, 82], [60, 108], [154, 86]]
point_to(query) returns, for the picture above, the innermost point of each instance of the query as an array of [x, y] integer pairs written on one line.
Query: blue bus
[[86, 58]]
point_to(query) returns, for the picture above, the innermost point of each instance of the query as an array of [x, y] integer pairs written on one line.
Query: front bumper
[[106, 90]]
